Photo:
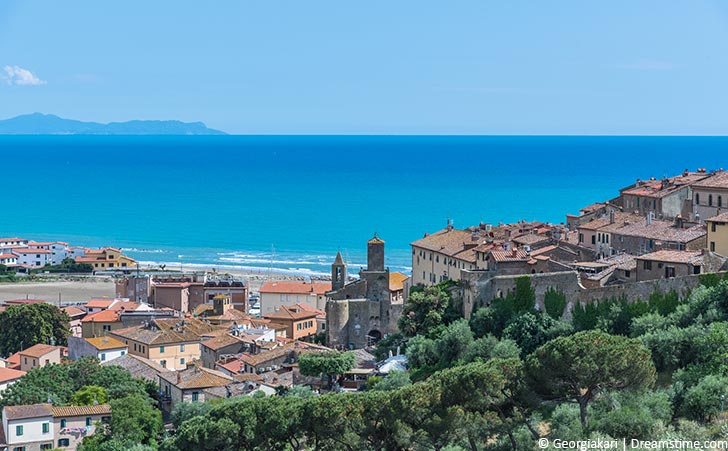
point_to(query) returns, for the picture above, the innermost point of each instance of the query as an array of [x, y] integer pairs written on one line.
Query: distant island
[[49, 124]]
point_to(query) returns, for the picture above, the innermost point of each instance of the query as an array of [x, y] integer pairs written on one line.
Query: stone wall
[[480, 288]]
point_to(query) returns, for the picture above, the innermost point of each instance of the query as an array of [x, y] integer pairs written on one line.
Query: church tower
[[375, 254], [338, 273]]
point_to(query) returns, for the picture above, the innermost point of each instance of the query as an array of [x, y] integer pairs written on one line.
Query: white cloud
[[15, 75]]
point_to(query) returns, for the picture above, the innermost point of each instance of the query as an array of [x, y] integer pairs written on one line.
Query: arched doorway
[[373, 337]]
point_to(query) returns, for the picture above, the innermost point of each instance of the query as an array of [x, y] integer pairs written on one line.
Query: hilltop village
[[198, 336]]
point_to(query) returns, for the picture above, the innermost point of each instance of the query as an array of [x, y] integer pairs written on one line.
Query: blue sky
[[380, 66]]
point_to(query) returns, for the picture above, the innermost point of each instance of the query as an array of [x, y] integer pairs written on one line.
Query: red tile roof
[[39, 350], [288, 313], [295, 287], [28, 411], [716, 180], [671, 256], [80, 411], [104, 316], [99, 303], [26, 250], [396, 280], [7, 375], [104, 343]]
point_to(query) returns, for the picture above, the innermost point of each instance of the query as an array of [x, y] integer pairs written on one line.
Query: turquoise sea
[[290, 202]]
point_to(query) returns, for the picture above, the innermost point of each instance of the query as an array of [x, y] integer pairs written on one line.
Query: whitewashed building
[[58, 249], [33, 257]]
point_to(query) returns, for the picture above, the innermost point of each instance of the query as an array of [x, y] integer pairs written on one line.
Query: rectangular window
[[712, 246], [161, 349], [163, 363], [46, 428], [195, 396], [594, 239], [181, 348], [696, 269], [123, 352], [106, 327], [103, 356], [669, 271], [63, 442], [627, 274], [182, 361], [63, 424], [88, 421], [712, 227], [18, 430], [46, 446], [647, 265]]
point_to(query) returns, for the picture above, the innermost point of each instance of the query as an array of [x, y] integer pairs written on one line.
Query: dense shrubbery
[[645, 370]]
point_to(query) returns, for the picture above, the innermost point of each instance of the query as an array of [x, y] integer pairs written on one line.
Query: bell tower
[[375, 254], [338, 273]]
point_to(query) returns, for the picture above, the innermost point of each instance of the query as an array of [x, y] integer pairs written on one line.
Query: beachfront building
[[276, 294], [103, 348], [33, 257], [106, 258], [664, 198], [718, 234], [9, 259], [43, 426], [12, 242], [58, 250], [39, 355], [710, 195], [171, 343]]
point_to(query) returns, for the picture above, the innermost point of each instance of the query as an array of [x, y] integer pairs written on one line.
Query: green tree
[[532, 329], [206, 434], [580, 366], [554, 302], [28, 324], [664, 304], [421, 352], [704, 401], [90, 394], [523, 297], [327, 363], [424, 311], [635, 415], [393, 381], [134, 419], [184, 411], [453, 342]]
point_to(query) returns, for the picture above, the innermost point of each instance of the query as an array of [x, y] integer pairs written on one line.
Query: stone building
[[718, 234], [710, 196], [360, 313]]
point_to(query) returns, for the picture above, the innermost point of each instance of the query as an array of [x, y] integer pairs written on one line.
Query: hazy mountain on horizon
[[50, 124]]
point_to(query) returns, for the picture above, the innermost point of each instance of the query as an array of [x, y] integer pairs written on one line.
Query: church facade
[[360, 313]]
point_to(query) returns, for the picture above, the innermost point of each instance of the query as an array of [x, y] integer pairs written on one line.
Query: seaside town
[[197, 338]]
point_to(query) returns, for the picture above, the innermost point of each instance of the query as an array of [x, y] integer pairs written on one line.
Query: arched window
[[720, 201], [710, 200], [697, 199]]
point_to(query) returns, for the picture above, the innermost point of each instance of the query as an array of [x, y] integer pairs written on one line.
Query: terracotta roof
[[591, 208], [167, 331], [28, 411], [396, 280], [6, 374], [723, 217], [309, 308], [220, 342], [197, 377], [13, 239], [279, 351], [139, 367], [26, 250], [235, 366], [658, 230], [73, 311], [5, 256], [14, 360], [289, 313], [39, 350], [659, 188], [671, 256], [104, 316], [99, 303], [81, 411], [104, 343], [510, 256], [716, 180], [530, 238], [295, 287]]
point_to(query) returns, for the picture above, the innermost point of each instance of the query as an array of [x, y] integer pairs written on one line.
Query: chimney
[[179, 378], [514, 252], [611, 216]]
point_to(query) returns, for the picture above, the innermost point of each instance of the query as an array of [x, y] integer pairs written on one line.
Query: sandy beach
[[81, 289]]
